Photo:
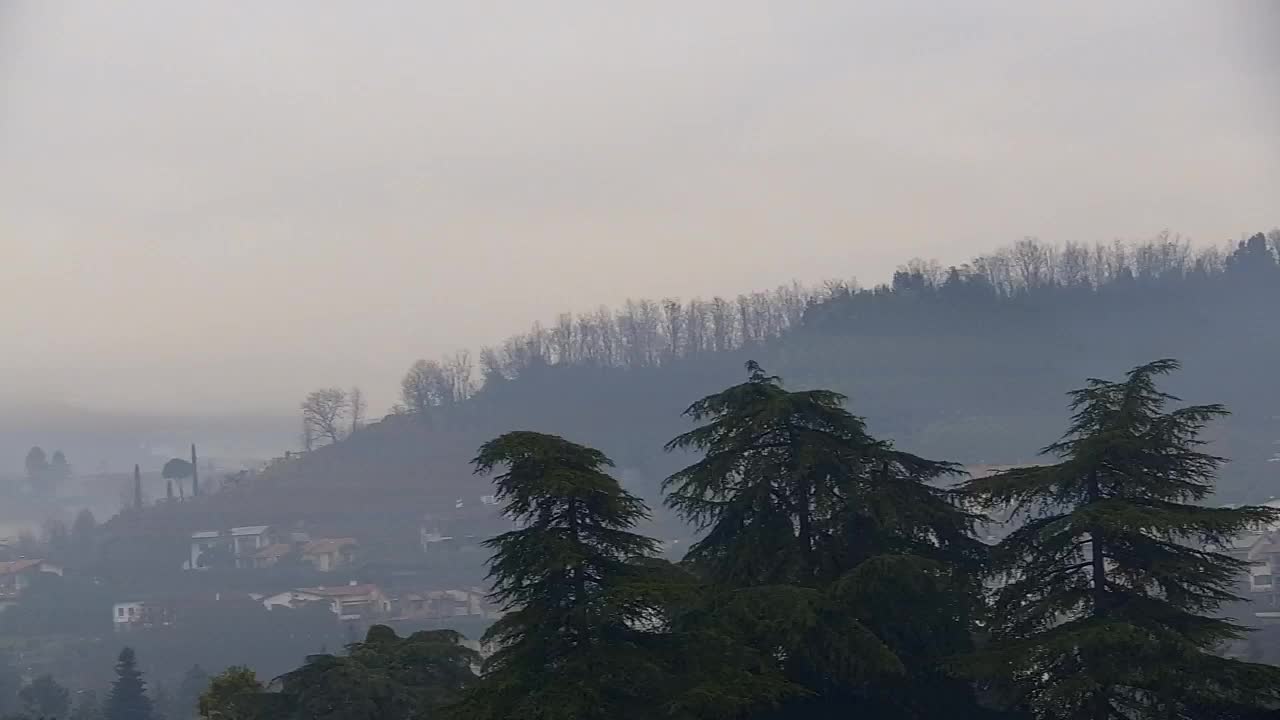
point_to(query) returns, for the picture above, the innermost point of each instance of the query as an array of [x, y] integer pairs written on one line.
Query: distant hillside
[[967, 364], [97, 442]]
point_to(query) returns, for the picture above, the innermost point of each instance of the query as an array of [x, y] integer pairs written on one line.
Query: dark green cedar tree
[[582, 635], [128, 697], [383, 678], [829, 551], [1106, 604]]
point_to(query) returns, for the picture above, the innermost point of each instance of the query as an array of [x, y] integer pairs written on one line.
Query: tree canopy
[[128, 698], [831, 549], [1109, 586], [577, 640]]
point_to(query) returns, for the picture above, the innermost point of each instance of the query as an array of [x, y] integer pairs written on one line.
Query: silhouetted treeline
[[965, 364], [1027, 275]]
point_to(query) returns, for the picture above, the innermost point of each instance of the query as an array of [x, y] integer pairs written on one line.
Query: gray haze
[[216, 206]]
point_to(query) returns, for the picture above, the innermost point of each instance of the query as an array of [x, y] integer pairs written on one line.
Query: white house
[[126, 614], [348, 602], [132, 614], [202, 542], [241, 542], [246, 541]]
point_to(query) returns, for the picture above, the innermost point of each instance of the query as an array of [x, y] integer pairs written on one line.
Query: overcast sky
[[216, 206]]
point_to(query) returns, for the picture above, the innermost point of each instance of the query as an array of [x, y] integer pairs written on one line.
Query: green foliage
[[232, 694], [44, 697], [828, 550], [383, 678], [1108, 587], [128, 697], [582, 636]]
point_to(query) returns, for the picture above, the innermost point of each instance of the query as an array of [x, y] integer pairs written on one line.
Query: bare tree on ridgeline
[[325, 411]]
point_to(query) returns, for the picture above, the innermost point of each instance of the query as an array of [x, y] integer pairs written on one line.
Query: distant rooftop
[[17, 566], [339, 590]]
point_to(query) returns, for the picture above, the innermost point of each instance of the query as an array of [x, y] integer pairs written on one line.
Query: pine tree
[[575, 642], [128, 697], [1110, 584], [829, 549], [137, 487]]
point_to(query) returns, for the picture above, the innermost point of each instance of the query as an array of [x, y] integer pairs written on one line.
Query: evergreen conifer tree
[[576, 641], [128, 697], [195, 472], [829, 550], [1106, 609]]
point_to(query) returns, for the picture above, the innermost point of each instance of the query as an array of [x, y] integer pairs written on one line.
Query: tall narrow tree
[[195, 472], [128, 697], [1109, 587], [831, 549], [573, 642], [137, 487]]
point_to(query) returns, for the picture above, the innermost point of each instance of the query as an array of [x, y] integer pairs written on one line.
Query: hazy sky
[[220, 205]]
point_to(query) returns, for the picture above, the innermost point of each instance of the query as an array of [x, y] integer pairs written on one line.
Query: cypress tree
[[575, 642], [829, 550], [137, 487], [128, 697], [195, 473], [1106, 610]]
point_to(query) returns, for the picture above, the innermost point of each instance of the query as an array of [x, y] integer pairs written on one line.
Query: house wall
[[126, 613]]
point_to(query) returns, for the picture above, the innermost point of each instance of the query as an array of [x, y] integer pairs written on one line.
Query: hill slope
[[969, 365]]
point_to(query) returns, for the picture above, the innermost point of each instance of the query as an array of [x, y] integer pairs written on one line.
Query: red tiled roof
[[17, 566], [277, 550]]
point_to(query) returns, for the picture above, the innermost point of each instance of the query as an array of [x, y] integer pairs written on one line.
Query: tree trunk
[[1099, 568], [579, 579]]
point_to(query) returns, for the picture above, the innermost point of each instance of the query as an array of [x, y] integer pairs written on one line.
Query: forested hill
[[969, 364]]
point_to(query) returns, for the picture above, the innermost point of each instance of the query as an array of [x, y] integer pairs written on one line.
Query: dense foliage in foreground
[[835, 577]]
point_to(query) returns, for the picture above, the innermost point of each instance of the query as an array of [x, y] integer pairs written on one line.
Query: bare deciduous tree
[[424, 387], [325, 412], [459, 371], [359, 406]]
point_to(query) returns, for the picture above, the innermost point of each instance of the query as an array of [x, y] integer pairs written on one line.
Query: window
[[119, 612]]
